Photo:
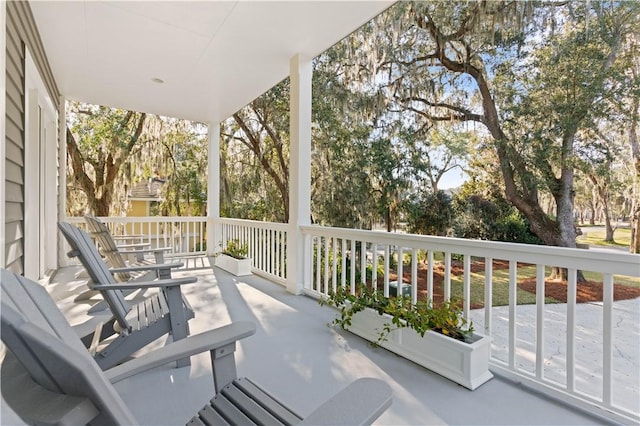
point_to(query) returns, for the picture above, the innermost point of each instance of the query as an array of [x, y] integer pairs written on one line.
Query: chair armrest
[[132, 245], [192, 345], [360, 403], [155, 267], [149, 250], [145, 284], [127, 237]]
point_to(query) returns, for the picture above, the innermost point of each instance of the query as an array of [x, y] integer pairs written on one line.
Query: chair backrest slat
[[108, 247], [98, 271]]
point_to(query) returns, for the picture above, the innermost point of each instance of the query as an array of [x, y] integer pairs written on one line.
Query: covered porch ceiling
[[213, 57]]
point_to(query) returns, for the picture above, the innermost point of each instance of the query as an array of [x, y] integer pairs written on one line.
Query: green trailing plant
[[447, 318], [236, 249]]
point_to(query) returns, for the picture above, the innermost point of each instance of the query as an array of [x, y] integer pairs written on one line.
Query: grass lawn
[[500, 291], [621, 236]]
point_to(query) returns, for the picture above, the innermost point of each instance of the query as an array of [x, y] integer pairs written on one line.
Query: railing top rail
[[255, 224], [590, 260], [134, 219]]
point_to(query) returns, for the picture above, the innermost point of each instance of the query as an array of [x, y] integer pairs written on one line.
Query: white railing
[[187, 236], [525, 344], [184, 235], [266, 242]]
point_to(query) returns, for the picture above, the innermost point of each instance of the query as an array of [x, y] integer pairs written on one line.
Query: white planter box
[[464, 363], [238, 267]]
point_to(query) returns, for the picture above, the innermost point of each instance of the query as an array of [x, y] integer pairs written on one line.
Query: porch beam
[[213, 191], [299, 169]]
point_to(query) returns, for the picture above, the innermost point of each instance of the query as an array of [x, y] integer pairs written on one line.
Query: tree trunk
[[105, 169], [635, 152], [608, 229], [634, 247]]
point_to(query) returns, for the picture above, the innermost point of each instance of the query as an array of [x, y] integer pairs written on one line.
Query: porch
[[585, 354], [303, 361]]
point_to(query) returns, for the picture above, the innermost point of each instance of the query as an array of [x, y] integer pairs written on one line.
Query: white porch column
[[63, 260], [3, 117], [299, 169], [213, 188]]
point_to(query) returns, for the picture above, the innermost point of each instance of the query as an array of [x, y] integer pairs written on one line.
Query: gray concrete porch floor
[[303, 362]]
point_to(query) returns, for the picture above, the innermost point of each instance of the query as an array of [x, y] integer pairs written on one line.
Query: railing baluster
[[343, 262], [571, 328], [466, 289], [414, 275], [352, 264], [429, 274], [374, 265], [540, 306], [488, 294], [326, 264], [607, 339], [400, 279], [334, 263], [513, 297], [319, 288], [385, 285], [269, 248], [363, 262], [277, 252], [447, 276]]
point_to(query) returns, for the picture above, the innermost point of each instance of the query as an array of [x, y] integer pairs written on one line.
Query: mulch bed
[[589, 291]]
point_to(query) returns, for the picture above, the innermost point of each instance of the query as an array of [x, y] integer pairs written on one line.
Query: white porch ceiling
[[213, 56]]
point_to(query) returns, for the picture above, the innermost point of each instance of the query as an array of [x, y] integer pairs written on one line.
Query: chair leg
[[179, 324]]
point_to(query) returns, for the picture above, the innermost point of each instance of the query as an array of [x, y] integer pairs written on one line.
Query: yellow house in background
[[145, 198], [144, 201]]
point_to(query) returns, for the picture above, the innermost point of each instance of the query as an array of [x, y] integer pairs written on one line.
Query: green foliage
[[429, 213], [514, 228], [254, 154], [185, 192], [485, 219], [111, 150], [236, 249], [446, 319], [104, 145]]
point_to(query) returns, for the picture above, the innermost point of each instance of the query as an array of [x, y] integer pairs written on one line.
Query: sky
[[453, 179]]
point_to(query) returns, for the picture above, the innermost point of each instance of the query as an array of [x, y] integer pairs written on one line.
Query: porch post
[[213, 188], [63, 260], [3, 118], [299, 169]]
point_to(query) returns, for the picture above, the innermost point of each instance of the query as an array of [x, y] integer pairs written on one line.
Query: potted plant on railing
[[436, 337], [233, 258]]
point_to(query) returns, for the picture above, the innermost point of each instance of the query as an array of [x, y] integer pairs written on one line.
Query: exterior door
[[40, 180]]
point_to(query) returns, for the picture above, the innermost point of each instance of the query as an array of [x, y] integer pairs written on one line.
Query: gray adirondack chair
[[48, 377], [116, 253], [116, 257], [163, 312]]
